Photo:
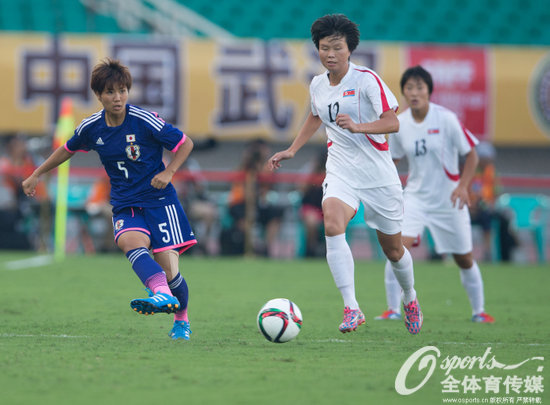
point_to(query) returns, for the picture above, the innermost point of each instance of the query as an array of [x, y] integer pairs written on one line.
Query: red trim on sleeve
[[468, 136], [329, 144], [385, 104]]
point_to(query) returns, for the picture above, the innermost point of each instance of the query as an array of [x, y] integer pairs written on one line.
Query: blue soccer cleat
[[155, 304], [180, 330]]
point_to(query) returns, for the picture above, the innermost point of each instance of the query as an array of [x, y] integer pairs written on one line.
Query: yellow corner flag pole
[[63, 130]]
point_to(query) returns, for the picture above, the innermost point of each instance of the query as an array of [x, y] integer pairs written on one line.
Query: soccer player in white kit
[[436, 195], [357, 109]]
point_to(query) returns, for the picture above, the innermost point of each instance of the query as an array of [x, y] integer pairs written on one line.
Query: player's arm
[[162, 179], [386, 124], [311, 125], [59, 156], [461, 191]]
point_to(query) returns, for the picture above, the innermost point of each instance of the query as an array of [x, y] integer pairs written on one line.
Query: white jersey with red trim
[[432, 148], [361, 160]]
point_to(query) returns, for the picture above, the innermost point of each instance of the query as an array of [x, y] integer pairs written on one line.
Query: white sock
[[473, 284], [404, 273], [393, 289], [340, 262]]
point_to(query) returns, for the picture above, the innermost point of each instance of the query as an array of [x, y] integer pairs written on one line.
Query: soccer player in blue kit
[[146, 212]]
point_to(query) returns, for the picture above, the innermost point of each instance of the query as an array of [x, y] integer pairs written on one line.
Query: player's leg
[[169, 260], [471, 279], [412, 227], [150, 273], [171, 235], [401, 262], [384, 212], [337, 215], [393, 289], [132, 237], [452, 233], [402, 266]]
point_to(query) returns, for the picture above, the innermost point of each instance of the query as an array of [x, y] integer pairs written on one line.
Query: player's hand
[[29, 185], [161, 180], [274, 161], [461, 195], [344, 121]]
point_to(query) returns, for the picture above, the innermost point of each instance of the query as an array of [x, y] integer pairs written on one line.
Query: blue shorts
[[166, 226]]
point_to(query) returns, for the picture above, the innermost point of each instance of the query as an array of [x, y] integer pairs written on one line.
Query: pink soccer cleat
[[352, 319], [413, 317]]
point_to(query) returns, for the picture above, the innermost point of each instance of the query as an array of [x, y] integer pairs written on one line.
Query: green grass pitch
[[68, 335]]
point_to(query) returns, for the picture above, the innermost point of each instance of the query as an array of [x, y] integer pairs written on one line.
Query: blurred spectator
[[483, 194], [202, 211], [249, 205], [22, 222], [311, 212], [100, 216]]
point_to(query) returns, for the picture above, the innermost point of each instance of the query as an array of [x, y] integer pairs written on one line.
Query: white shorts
[[450, 227], [383, 205]]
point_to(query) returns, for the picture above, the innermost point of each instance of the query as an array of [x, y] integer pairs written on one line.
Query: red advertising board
[[461, 82]]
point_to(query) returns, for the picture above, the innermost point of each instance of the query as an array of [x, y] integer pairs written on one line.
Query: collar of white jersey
[[351, 66]]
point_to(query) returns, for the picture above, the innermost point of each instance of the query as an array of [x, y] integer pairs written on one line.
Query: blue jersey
[[131, 154]]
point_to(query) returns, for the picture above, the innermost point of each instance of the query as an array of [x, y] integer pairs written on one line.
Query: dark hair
[[420, 73], [335, 24], [108, 73]]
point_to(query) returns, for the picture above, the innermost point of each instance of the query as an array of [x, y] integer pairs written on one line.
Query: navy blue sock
[[179, 289], [143, 264]]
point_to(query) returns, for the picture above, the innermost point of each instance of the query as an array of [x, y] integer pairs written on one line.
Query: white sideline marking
[[37, 261], [494, 343], [14, 335], [8, 335], [441, 343]]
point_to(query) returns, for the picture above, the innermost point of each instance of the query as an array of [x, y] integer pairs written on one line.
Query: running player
[[436, 196], [357, 109], [146, 211]]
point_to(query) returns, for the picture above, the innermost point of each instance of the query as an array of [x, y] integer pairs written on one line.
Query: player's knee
[[393, 253], [132, 240], [333, 228], [464, 261]]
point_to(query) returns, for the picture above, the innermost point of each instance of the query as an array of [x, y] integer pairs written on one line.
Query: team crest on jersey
[[349, 93], [130, 138], [433, 131], [133, 153], [119, 224]]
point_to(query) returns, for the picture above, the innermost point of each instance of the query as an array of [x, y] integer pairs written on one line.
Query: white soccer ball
[[279, 320]]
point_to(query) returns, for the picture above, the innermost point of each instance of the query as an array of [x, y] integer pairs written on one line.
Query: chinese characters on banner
[[251, 88]]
